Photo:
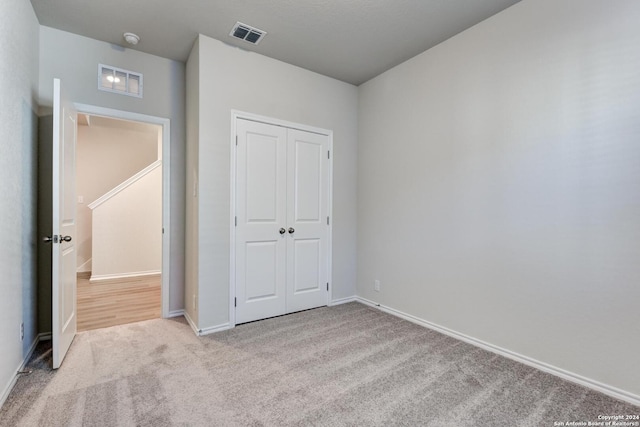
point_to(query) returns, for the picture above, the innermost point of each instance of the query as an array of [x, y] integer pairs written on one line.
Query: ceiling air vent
[[247, 33]]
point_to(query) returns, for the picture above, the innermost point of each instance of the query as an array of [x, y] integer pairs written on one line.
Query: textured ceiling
[[350, 40]]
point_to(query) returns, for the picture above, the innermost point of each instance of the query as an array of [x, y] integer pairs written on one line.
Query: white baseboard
[[342, 301], [191, 323], [85, 268], [206, 331], [545, 367], [14, 379], [175, 313], [214, 329], [99, 277]]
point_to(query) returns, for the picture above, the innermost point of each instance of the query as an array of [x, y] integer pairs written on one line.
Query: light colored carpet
[[345, 365]]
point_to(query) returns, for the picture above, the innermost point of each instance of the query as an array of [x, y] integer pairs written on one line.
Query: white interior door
[[261, 219], [64, 225], [282, 231], [307, 219]]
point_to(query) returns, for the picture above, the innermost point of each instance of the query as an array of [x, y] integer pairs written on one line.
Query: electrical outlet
[[21, 331], [376, 285]]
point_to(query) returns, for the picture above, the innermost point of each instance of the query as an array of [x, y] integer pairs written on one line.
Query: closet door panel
[[307, 254], [307, 211], [261, 250], [261, 272], [307, 179]]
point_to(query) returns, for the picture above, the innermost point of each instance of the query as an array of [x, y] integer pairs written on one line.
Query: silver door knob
[[282, 231], [291, 230], [47, 239], [65, 239]]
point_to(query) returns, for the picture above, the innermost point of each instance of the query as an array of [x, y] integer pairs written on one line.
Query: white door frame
[[166, 193], [235, 115]]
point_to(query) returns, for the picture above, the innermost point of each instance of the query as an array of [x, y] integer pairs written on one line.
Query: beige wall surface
[[231, 78], [18, 188], [106, 156], [74, 59], [127, 230], [498, 186]]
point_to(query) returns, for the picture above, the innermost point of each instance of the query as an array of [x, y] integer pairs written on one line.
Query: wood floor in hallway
[[118, 301]]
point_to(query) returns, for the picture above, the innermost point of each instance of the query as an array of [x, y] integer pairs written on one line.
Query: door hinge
[[236, 221], [162, 230], [236, 140], [328, 154], [327, 220], [235, 302], [327, 286]]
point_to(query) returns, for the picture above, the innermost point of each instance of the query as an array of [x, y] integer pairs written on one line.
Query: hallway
[[118, 301]]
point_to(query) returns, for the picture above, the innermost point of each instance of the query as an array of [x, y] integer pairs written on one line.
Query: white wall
[[498, 185], [18, 189], [127, 230], [106, 156], [74, 59], [231, 78], [191, 191]]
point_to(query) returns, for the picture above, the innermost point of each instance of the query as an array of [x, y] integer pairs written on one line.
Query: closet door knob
[[291, 230], [282, 231]]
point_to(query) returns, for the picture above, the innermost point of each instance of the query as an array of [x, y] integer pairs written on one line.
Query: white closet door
[[261, 243], [307, 212]]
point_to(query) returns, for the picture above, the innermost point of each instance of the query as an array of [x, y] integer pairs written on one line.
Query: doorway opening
[[119, 212]]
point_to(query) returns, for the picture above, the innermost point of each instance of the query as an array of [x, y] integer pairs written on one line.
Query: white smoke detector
[[131, 38]]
